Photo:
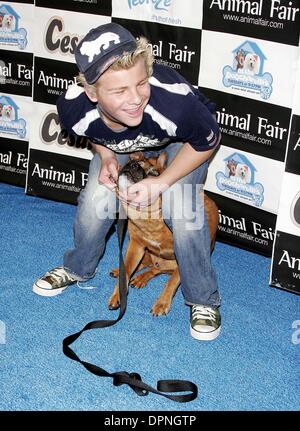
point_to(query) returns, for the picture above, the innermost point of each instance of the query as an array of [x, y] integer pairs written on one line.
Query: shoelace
[[84, 287], [203, 312], [59, 274]]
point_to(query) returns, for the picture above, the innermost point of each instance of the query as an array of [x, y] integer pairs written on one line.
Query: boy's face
[[123, 95]]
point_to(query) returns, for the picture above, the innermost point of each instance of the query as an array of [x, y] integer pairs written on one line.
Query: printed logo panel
[[61, 178], [245, 226], [16, 72], [52, 78], [169, 12], [94, 7], [13, 161], [178, 48], [252, 68], [276, 20], [293, 154], [60, 32], [286, 262], [16, 26], [46, 134], [246, 177], [14, 114], [288, 219], [252, 126]]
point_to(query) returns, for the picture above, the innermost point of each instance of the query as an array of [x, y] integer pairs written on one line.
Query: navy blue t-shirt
[[176, 112]]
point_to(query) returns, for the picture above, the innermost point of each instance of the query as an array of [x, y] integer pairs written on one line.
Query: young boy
[[127, 104]]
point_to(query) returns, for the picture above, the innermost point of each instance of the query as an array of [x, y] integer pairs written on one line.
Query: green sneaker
[[205, 322], [53, 282]]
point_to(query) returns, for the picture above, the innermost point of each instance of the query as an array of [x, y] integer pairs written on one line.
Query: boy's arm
[[186, 160], [108, 174], [104, 152]]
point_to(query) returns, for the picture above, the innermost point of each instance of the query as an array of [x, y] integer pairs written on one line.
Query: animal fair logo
[[239, 179], [247, 71], [10, 123], [10, 33]]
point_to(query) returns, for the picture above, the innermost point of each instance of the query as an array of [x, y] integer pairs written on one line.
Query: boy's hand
[[143, 193], [109, 172]]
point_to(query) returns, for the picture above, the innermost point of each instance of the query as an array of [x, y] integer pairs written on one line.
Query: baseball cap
[[101, 47]]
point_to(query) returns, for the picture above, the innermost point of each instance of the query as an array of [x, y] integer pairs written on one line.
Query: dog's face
[[232, 164], [7, 111], [138, 168], [252, 63], [242, 171], [240, 57], [8, 21]]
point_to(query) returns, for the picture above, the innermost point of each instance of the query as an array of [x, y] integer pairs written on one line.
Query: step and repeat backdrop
[[244, 55], [16, 75]]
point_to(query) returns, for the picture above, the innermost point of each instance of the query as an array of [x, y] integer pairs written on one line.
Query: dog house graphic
[[244, 52], [10, 123], [8, 109], [239, 179], [9, 19], [246, 72], [10, 33], [236, 160]]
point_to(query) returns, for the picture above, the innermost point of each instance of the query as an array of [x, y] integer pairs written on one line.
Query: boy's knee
[[182, 201], [98, 203]]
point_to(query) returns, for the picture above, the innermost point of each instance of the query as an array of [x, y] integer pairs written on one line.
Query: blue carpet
[[253, 365]]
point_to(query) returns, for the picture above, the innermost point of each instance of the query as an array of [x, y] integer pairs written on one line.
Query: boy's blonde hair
[[143, 50]]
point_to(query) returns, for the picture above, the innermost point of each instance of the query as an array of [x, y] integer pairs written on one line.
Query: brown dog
[[150, 240]]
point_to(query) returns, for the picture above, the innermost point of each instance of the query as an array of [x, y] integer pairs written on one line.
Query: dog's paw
[[114, 301], [160, 308], [140, 280], [114, 273]]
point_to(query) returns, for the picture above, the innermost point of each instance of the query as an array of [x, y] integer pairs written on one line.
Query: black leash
[[133, 380]]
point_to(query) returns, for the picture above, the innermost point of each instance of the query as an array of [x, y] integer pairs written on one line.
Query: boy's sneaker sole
[[205, 336], [48, 292]]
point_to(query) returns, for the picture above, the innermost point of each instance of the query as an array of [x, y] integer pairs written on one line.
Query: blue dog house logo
[[247, 71], [10, 33], [10, 123], [239, 178]]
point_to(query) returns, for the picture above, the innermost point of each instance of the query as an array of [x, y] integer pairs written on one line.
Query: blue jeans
[[183, 211]]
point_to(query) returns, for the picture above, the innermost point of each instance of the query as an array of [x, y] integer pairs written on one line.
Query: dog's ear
[[138, 155], [161, 163]]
